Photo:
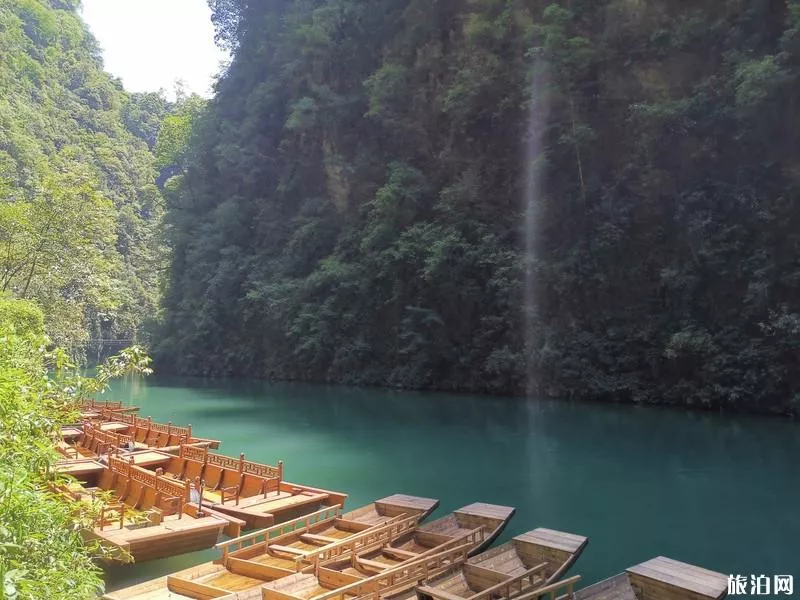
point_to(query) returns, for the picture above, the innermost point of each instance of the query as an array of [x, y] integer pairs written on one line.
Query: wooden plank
[[688, 568], [617, 587], [371, 563], [312, 537], [256, 570], [490, 511], [403, 502], [194, 589], [491, 575], [287, 549], [113, 426], [682, 575], [399, 553], [554, 539]]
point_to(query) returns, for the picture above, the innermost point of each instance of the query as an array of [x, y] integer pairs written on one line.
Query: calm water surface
[[718, 491]]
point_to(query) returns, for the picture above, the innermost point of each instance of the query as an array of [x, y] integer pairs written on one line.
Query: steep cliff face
[[355, 206]]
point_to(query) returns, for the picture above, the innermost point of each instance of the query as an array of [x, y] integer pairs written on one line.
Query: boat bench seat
[[374, 564], [312, 538], [398, 553], [287, 549]]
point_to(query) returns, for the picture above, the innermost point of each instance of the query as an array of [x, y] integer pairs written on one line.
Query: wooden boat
[[529, 561], [93, 408], [147, 516], [492, 517], [95, 438], [253, 492], [557, 550], [392, 506], [251, 560], [361, 569], [428, 539], [329, 583], [660, 578]]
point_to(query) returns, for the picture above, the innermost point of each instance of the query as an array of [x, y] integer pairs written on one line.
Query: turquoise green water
[[718, 491]]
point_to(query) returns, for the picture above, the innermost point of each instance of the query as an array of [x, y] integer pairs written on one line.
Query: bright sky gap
[[151, 44]]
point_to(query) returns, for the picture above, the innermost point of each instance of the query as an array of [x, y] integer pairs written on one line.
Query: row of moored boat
[[156, 491]]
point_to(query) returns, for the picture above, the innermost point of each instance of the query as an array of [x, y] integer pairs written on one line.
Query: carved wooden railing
[[264, 535], [168, 491], [99, 404], [193, 453], [366, 541], [109, 414], [271, 475], [398, 578], [104, 441], [504, 590]]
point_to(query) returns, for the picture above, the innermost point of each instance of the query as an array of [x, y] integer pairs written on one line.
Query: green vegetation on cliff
[[79, 205], [352, 206]]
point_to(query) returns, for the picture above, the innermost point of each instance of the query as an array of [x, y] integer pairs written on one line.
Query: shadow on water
[[715, 490]]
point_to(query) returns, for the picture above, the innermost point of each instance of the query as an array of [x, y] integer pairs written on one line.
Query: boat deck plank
[[171, 524], [113, 426], [504, 560], [416, 503], [335, 533], [258, 505], [71, 432], [489, 511], [311, 591], [232, 582], [149, 458], [551, 538], [689, 577], [447, 526], [274, 561], [80, 467]]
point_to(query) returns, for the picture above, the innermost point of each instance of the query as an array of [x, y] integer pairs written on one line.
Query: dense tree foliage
[[79, 204], [354, 203], [41, 555], [41, 552]]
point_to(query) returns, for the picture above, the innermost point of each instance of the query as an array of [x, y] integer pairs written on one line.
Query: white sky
[[150, 44]]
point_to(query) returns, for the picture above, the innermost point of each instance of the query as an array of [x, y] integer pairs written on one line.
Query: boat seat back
[[252, 485], [151, 438], [176, 466], [106, 481], [140, 435], [230, 479], [170, 506], [148, 499], [213, 476], [193, 469], [134, 495], [120, 486], [174, 440]]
